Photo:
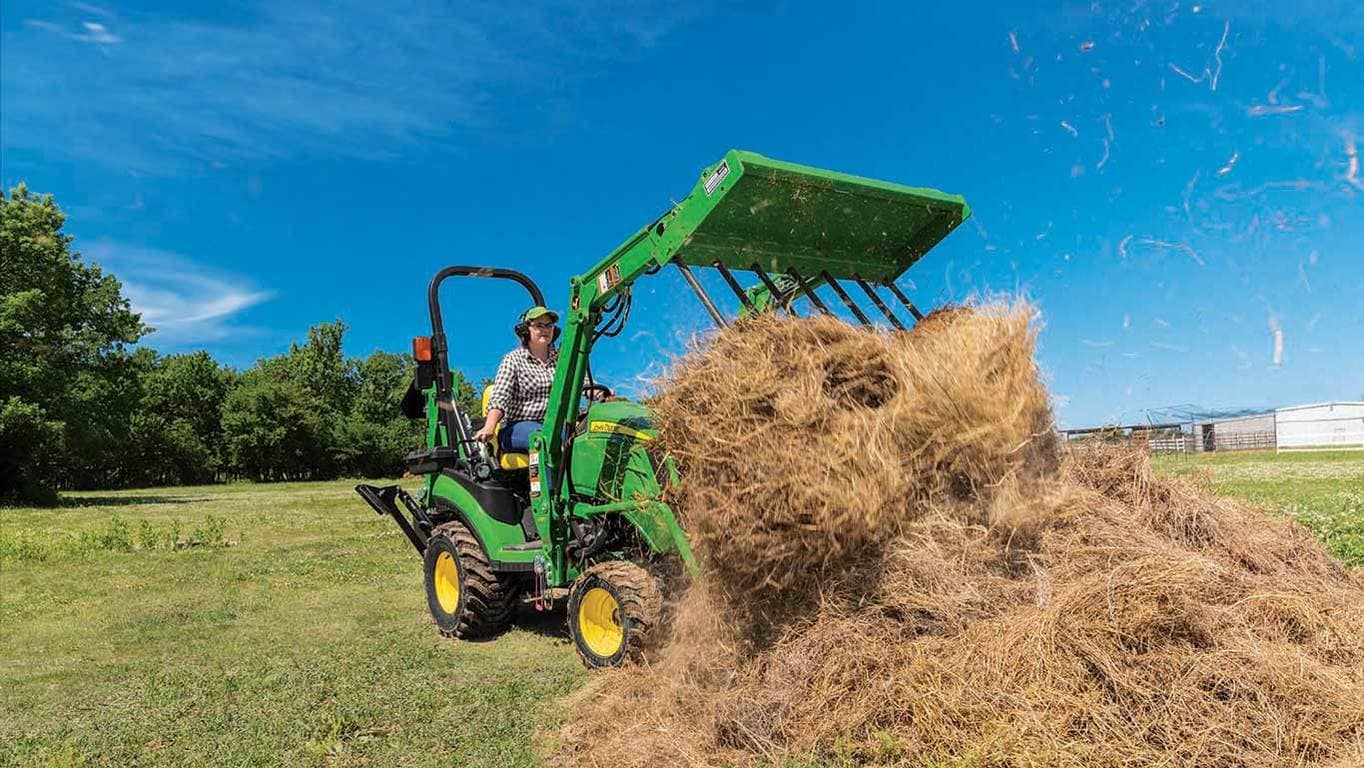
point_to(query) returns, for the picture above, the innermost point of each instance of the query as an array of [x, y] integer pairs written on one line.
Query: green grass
[[286, 625], [253, 625], [1324, 491]]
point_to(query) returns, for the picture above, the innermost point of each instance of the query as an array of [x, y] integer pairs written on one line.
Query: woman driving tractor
[[521, 389]]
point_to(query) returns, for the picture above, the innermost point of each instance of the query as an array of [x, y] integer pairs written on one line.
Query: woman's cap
[[538, 312]]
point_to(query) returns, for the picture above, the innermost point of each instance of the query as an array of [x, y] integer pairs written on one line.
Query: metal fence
[[1168, 440], [1244, 441], [1180, 443], [1155, 438]]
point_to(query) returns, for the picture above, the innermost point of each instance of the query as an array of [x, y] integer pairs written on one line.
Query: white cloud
[[96, 33], [93, 9], [185, 302], [90, 32], [302, 79]]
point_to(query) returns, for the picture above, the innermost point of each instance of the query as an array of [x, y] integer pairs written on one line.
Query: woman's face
[[541, 332]]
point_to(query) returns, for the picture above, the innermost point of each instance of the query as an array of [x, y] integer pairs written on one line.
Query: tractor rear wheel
[[464, 594], [612, 610]]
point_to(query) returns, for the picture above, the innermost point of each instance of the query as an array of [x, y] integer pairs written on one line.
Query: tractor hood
[[621, 417], [748, 209], [611, 458]]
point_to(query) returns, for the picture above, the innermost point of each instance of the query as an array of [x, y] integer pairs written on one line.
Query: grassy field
[[1324, 491], [285, 625], [300, 638]]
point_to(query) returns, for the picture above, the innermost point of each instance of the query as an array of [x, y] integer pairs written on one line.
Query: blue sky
[[1177, 186]]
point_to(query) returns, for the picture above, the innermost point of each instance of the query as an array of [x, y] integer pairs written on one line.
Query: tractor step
[[529, 546]]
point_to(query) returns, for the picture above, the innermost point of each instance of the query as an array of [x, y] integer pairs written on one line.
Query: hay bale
[[814, 443], [897, 569]]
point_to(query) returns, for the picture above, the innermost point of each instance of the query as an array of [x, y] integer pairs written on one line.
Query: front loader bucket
[[750, 210], [797, 228]]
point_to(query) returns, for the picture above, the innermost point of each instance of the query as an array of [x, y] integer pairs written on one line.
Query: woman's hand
[[598, 393], [489, 428]]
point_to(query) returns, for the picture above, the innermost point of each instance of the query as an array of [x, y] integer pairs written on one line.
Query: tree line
[[82, 406]]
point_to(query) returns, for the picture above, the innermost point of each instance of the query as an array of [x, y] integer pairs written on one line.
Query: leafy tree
[[64, 362], [273, 430], [466, 396], [381, 380], [177, 431], [372, 439], [322, 369], [190, 388], [80, 408], [30, 453], [102, 402], [364, 448]]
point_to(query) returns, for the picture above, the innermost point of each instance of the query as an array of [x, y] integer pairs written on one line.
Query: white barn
[[1323, 426], [1240, 433]]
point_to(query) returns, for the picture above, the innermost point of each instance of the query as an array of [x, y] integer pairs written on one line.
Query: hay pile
[[899, 571]]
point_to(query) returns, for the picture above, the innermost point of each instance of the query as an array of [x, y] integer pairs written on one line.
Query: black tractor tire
[[613, 610], [465, 596]]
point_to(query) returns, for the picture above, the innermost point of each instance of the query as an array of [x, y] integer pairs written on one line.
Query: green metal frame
[[745, 210], [746, 213]]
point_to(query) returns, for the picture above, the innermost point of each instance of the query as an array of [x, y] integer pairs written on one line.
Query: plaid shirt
[[521, 389]]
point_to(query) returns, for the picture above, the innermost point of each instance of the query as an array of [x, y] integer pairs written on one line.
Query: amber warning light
[[421, 349]]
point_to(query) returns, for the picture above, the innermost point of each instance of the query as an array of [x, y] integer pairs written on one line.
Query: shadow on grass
[[551, 624], [125, 501], [548, 624]]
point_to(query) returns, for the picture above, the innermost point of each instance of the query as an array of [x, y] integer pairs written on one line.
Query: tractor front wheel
[[464, 594], [612, 609]]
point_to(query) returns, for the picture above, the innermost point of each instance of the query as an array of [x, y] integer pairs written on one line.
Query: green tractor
[[585, 510]]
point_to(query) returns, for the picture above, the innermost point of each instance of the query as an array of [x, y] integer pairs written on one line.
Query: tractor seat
[[513, 460], [510, 461]]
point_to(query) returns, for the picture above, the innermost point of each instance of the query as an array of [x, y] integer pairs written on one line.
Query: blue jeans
[[515, 437]]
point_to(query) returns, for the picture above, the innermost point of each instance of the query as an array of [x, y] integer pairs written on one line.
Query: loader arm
[[746, 213]]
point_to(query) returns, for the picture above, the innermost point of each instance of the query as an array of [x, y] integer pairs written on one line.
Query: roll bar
[[455, 429]]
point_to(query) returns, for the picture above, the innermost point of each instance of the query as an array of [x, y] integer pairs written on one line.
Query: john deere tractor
[[585, 509]]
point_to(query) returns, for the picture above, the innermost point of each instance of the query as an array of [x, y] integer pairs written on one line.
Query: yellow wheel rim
[[599, 623], [447, 582]]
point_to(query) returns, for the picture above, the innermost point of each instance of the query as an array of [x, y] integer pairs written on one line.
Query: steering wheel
[[597, 393]]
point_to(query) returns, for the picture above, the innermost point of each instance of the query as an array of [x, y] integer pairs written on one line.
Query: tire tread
[[641, 604], [487, 602]]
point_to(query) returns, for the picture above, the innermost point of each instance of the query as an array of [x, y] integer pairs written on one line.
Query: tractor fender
[[494, 500], [449, 506], [494, 536]]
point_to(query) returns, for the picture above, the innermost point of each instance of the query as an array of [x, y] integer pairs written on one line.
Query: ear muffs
[[522, 330]]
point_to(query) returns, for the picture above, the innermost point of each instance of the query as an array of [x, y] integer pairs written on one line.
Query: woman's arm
[[485, 434]]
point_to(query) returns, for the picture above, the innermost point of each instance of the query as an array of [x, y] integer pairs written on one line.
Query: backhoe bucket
[[749, 210]]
